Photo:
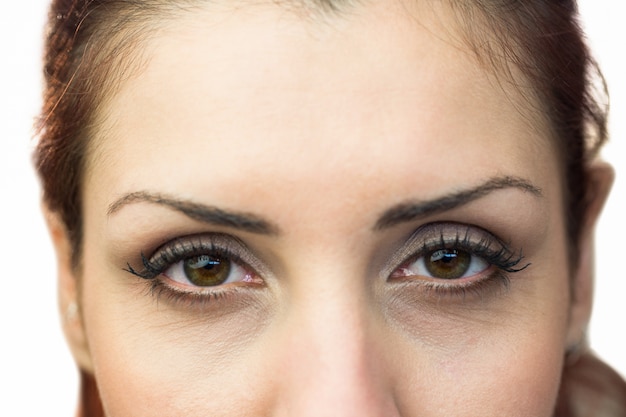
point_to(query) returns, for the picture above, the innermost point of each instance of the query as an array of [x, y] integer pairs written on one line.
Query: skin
[[319, 127]]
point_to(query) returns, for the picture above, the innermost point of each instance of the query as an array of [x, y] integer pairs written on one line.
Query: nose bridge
[[332, 362]]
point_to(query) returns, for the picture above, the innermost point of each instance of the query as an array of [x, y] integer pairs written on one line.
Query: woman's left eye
[[444, 263], [207, 270]]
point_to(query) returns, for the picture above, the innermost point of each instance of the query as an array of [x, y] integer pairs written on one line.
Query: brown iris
[[206, 271], [447, 263]]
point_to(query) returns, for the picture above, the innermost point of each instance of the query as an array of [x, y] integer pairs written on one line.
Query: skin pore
[[288, 144]]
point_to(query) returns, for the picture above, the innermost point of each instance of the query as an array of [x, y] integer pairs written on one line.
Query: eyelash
[[217, 245], [502, 260]]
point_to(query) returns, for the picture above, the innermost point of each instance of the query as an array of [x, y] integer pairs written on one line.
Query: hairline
[[124, 55]]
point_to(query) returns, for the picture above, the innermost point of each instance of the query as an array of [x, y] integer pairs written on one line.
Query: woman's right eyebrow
[[246, 222]]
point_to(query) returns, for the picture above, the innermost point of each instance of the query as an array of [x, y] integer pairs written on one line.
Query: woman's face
[[292, 216]]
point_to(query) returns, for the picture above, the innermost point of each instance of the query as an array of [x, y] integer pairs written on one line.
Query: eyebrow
[[410, 211], [207, 214], [401, 213]]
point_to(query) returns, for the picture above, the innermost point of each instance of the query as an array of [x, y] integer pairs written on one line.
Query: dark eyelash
[[472, 239], [183, 248], [502, 257]]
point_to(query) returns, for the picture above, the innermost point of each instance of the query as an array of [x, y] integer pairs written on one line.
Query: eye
[[444, 263], [201, 261], [440, 252], [208, 270]]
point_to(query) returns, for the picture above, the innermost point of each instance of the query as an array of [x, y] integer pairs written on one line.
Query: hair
[[93, 45]]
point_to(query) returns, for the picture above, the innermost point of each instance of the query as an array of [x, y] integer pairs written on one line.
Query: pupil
[[206, 271], [448, 263]]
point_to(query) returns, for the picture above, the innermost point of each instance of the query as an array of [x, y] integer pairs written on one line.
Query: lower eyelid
[[174, 286], [221, 300], [477, 266], [494, 282]]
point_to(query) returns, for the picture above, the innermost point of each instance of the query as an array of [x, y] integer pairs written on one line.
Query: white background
[[36, 372]]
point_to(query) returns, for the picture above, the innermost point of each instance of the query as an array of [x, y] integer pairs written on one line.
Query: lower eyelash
[[189, 300], [491, 287], [498, 280]]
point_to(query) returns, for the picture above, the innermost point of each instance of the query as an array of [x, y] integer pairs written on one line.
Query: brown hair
[[88, 45], [94, 44]]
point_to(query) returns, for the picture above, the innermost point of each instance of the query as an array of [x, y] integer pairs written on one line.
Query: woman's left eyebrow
[[410, 211], [246, 222]]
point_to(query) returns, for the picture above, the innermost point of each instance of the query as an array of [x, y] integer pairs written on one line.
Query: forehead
[[380, 94]]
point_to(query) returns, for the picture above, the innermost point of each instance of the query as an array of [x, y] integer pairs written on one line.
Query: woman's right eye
[[208, 270], [201, 261]]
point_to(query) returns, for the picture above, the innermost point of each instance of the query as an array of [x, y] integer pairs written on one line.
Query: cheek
[[175, 386], [513, 373], [521, 377], [144, 371], [503, 356], [152, 360]]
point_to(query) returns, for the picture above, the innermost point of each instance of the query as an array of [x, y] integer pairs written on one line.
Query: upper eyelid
[[422, 237], [204, 243]]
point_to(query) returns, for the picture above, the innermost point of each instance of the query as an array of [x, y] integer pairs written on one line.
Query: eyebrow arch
[[409, 211], [207, 214]]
